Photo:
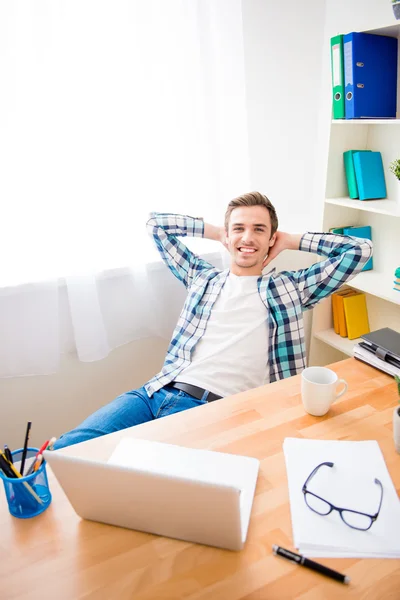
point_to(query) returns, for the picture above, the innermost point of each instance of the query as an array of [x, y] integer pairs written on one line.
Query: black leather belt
[[193, 390]]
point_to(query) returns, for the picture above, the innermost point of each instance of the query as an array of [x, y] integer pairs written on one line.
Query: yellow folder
[[339, 321], [356, 315]]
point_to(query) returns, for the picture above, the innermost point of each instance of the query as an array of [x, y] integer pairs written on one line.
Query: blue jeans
[[130, 409]]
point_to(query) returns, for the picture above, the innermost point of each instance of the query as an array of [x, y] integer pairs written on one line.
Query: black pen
[[310, 564], [8, 454], [24, 451], [5, 467]]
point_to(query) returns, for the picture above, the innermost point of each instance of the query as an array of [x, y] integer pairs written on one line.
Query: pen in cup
[[5, 467], [51, 443], [48, 445], [310, 564], [8, 454], [38, 462], [42, 448], [28, 428], [35, 464], [13, 473]]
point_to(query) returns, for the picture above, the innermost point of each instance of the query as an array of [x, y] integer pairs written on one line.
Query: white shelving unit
[[383, 216], [367, 122], [344, 345], [391, 208]]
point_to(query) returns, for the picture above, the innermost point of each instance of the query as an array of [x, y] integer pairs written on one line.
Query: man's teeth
[[248, 250]]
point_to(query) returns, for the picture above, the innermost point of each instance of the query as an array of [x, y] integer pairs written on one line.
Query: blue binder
[[370, 76], [370, 177], [361, 232]]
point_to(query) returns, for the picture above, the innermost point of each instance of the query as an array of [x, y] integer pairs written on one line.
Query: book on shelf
[[368, 358], [364, 173], [337, 68], [356, 315], [339, 230], [351, 179], [339, 320], [385, 342], [380, 349], [370, 75], [350, 315], [368, 167]]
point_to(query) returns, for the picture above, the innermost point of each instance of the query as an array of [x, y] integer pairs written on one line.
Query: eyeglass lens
[[353, 519]]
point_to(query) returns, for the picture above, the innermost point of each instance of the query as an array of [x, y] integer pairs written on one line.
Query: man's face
[[249, 239]]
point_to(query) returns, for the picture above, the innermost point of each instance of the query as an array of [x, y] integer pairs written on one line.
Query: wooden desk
[[58, 555]]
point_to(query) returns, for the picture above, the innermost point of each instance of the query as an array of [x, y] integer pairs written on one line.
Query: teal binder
[[350, 172], [370, 176], [361, 232]]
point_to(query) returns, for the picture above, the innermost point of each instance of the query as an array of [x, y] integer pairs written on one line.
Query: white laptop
[[194, 495]]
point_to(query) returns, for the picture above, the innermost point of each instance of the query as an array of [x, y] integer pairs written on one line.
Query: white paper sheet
[[349, 484]]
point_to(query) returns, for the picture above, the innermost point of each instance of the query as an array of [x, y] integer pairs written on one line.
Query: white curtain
[[109, 109]]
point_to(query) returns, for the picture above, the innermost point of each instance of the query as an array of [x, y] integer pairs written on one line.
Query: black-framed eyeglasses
[[352, 518]]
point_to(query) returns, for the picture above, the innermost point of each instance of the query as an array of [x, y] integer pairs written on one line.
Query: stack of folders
[[364, 174], [363, 231], [349, 311], [348, 484], [364, 76], [380, 349]]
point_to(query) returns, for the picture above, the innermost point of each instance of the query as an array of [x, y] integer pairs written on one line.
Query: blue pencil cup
[[30, 495]]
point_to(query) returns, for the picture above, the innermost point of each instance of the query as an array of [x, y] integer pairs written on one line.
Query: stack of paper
[[371, 359], [348, 484]]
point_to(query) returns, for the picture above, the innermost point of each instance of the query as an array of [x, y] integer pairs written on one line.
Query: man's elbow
[[367, 248], [152, 221]]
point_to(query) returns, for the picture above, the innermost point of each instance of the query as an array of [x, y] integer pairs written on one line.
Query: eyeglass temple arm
[[311, 475], [380, 503]]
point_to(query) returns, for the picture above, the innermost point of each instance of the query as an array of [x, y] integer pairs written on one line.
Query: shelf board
[[365, 121], [377, 284], [390, 208], [336, 341], [392, 30]]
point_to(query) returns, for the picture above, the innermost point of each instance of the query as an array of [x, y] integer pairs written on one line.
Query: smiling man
[[238, 329]]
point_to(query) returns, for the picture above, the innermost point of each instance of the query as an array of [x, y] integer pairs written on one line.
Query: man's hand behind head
[[283, 241]]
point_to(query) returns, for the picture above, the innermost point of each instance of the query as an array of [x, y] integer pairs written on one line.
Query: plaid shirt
[[285, 295]]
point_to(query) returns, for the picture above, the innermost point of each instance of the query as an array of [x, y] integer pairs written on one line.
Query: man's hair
[[253, 199]]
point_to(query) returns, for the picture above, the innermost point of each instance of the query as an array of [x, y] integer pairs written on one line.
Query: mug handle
[[344, 388]]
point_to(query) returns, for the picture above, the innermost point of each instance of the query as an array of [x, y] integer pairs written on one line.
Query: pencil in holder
[[30, 495]]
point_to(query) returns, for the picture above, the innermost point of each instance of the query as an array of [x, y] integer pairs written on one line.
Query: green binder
[[337, 65], [350, 172]]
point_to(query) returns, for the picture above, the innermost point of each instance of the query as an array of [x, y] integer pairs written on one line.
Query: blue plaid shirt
[[285, 295]]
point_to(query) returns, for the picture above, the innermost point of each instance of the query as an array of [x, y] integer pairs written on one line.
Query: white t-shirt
[[232, 355]]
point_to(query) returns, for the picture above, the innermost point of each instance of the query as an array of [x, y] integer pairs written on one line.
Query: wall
[[343, 16], [56, 403], [283, 42], [283, 62]]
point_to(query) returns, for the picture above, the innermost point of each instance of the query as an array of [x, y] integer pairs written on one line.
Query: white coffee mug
[[319, 389]]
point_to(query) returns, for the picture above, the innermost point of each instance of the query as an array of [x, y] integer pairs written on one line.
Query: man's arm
[[165, 229], [212, 232], [283, 241], [346, 257]]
